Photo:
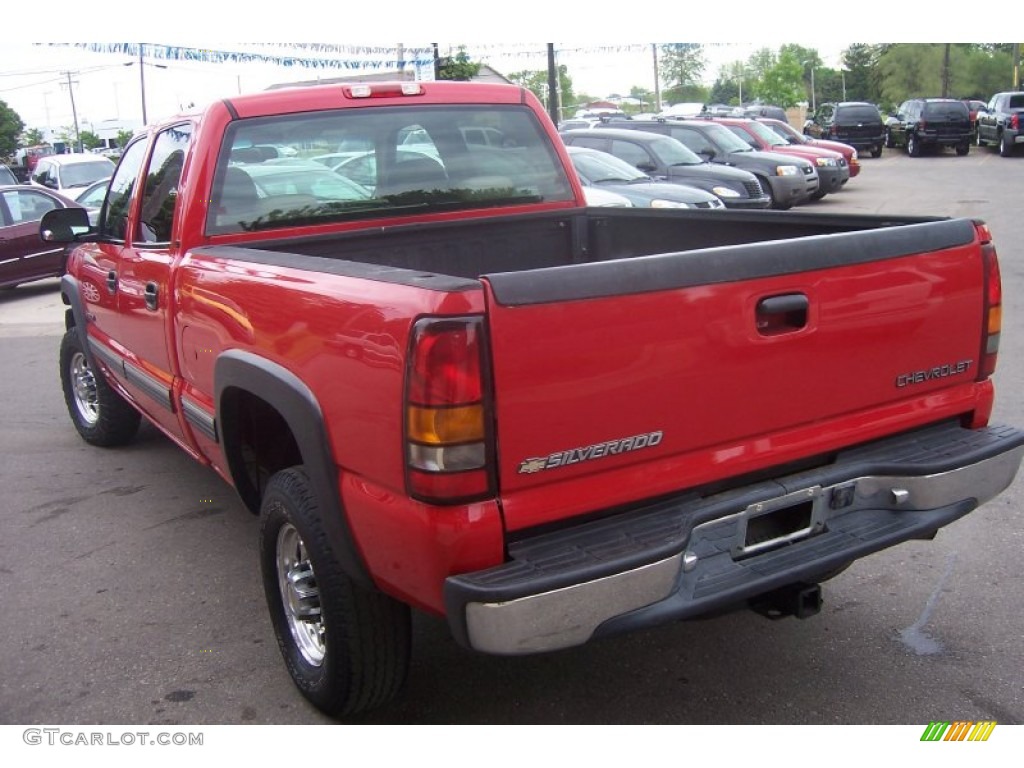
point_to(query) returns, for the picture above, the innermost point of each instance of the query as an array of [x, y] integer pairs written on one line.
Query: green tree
[[457, 67], [759, 62], [681, 65], [90, 140], [537, 82], [11, 127], [725, 91], [123, 137], [782, 83], [32, 137], [860, 65]]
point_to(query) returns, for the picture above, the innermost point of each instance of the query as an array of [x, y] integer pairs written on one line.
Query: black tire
[[775, 204], [876, 151], [1005, 147], [913, 145], [889, 142], [101, 416], [346, 648]]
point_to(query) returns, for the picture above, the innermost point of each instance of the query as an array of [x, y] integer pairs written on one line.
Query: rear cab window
[[349, 164]]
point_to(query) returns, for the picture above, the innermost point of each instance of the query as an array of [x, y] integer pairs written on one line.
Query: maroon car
[[23, 256], [794, 137]]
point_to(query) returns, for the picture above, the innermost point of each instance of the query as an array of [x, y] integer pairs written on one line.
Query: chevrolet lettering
[[938, 372]]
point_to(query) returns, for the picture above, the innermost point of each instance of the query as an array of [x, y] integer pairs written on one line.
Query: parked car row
[[744, 162]]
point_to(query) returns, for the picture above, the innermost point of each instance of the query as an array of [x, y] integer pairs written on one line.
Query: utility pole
[[1017, 85], [657, 80], [552, 85], [74, 112], [945, 73]]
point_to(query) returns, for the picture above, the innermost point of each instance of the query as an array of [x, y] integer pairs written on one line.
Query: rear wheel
[[1005, 145], [101, 416], [346, 648], [913, 145], [963, 149]]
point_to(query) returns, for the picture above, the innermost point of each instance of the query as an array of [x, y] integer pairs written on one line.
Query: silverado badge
[[590, 452]]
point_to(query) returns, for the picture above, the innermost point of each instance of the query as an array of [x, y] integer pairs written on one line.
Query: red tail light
[[993, 318], [1015, 121], [449, 444]]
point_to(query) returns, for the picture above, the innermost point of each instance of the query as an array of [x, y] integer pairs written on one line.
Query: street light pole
[[810, 63], [142, 86]]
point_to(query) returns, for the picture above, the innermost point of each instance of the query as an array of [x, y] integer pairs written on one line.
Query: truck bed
[[514, 244]]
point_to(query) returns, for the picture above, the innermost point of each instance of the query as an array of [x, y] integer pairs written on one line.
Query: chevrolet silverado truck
[[445, 384]]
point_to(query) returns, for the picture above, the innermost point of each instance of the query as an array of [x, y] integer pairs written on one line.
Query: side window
[[161, 191], [693, 140], [744, 136], [591, 143], [114, 215], [632, 153], [26, 205]]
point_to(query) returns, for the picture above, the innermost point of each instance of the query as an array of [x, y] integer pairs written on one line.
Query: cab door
[[144, 294]]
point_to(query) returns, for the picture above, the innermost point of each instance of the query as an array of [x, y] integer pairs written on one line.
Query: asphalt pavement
[[130, 592]]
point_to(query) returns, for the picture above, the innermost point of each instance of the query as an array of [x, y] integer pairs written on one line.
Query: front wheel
[[346, 648], [963, 149], [101, 416]]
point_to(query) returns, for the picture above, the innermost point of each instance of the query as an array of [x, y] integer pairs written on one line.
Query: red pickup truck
[[445, 384]]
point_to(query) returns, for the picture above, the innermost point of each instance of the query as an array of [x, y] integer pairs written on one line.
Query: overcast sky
[[34, 77]]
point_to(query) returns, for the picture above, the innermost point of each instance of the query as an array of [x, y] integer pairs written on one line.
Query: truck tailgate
[[629, 367]]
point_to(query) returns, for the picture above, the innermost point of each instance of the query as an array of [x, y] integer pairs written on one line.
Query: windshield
[[84, 174], [310, 168], [598, 167]]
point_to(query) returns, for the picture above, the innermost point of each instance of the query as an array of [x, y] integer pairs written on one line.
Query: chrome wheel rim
[[83, 390], [300, 596]]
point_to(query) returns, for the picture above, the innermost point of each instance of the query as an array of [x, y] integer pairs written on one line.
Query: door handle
[[782, 314], [112, 281], [152, 296]]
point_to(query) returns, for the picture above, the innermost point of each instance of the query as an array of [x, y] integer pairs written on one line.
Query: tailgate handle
[[152, 297], [782, 314]]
